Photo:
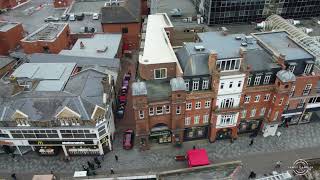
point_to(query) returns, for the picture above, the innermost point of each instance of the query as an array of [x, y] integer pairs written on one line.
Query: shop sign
[[159, 133], [40, 143]]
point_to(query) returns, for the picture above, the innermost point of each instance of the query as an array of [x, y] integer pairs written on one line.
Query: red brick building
[[51, 38], [123, 17], [10, 35], [62, 3], [8, 4]]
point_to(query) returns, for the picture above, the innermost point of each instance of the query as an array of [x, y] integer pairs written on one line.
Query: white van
[[72, 17]]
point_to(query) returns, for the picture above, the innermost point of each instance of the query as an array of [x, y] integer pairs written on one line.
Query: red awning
[[197, 157]]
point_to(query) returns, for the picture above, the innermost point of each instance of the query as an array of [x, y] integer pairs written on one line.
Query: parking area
[[88, 7], [32, 16]]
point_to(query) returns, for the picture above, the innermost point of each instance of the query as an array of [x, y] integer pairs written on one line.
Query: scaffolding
[[311, 44]]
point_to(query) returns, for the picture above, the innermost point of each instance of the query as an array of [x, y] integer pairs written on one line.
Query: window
[[243, 113], [257, 98], [160, 73], [207, 104], [281, 101], [151, 111], [124, 30], [229, 65], [187, 121], [159, 110], [267, 97], [253, 112], [266, 79], [205, 119], [292, 91], [178, 110], [307, 89], [187, 85], [307, 69], [274, 99], [205, 84], [188, 106], [246, 99], [269, 112], [227, 119], [167, 109], [227, 103], [195, 85], [262, 111], [196, 119], [239, 83], [221, 85], [249, 81], [141, 114], [291, 68], [276, 115], [198, 105], [231, 84], [257, 80], [301, 103]]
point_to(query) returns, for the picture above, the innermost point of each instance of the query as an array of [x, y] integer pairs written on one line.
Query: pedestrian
[[278, 164], [194, 147], [252, 175], [251, 142], [14, 176], [116, 157], [287, 125], [111, 171]]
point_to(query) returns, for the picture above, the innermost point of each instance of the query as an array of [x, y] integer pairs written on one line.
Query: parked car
[[122, 99], [95, 16], [128, 136], [64, 17], [120, 111], [80, 17], [72, 17], [51, 19]]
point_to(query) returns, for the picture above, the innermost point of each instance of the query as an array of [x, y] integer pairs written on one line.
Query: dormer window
[[98, 115], [292, 67], [68, 117], [307, 69], [160, 73], [20, 118]]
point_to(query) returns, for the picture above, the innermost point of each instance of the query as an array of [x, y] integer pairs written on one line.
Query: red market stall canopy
[[197, 157]]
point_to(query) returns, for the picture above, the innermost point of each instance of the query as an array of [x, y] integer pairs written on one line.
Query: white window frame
[[221, 85], [276, 114], [195, 85], [235, 62], [307, 89], [253, 112], [266, 97], [161, 76], [196, 119], [227, 103], [239, 83], [187, 83], [292, 91], [178, 110], [308, 68], [249, 80], [167, 107], [257, 98], [151, 111], [247, 99], [205, 84], [274, 98], [187, 121], [231, 84], [243, 114], [291, 68], [257, 80], [141, 114], [224, 120], [158, 110], [207, 104], [267, 79], [188, 106], [198, 105], [281, 101], [262, 111], [205, 119]]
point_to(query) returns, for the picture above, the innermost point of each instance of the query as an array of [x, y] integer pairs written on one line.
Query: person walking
[[14, 176], [194, 147], [116, 157], [252, 175], [251, 142], [111, 171]]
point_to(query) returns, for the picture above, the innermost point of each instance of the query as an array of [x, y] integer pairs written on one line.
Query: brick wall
[[61, 3], [10, 39], [132, 38], [146, 71]]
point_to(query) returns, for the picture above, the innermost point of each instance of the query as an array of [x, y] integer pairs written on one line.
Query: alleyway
[[301, 141]]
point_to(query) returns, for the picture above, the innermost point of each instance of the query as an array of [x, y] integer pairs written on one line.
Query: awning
[[197, 157]]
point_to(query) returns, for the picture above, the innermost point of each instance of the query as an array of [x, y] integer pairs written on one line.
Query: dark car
[[64, 17], [128, 136], [80, 17], [51, 19]]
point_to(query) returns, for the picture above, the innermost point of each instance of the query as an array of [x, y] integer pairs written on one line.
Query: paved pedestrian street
[[161, 157]]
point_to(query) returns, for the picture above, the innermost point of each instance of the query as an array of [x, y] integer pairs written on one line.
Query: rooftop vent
[[199, 48], [238, 38], [249, 39]]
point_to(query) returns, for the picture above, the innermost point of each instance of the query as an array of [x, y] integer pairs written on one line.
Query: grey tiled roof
[[4, 61], [259, 60], [127, 13]]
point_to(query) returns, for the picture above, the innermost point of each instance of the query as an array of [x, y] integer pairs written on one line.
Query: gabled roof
[[127, 12]]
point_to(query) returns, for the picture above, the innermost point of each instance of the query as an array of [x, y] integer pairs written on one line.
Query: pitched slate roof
[[126, 12]]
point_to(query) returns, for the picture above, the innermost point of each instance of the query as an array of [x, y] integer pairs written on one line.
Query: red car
[[128, 136]]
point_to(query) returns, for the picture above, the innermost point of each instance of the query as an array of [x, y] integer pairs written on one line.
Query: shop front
[[160, 134], [249, 126], [195, 133], [224, 133], [48, 150]]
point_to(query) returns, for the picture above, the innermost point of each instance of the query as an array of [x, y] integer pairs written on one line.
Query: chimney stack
[[281, 59], [212, 61]]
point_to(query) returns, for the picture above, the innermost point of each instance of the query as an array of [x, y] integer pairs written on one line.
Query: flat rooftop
[[51, 76], [157, 48], [260, 60], [281, 43], [158, 90], [5, 25], [47, 32], [99, 46]]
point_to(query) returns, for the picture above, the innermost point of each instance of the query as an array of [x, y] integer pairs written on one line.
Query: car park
[[128, 137], [72, 17], [95, 16], [80, 17], [64, 17], [51, 19]]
